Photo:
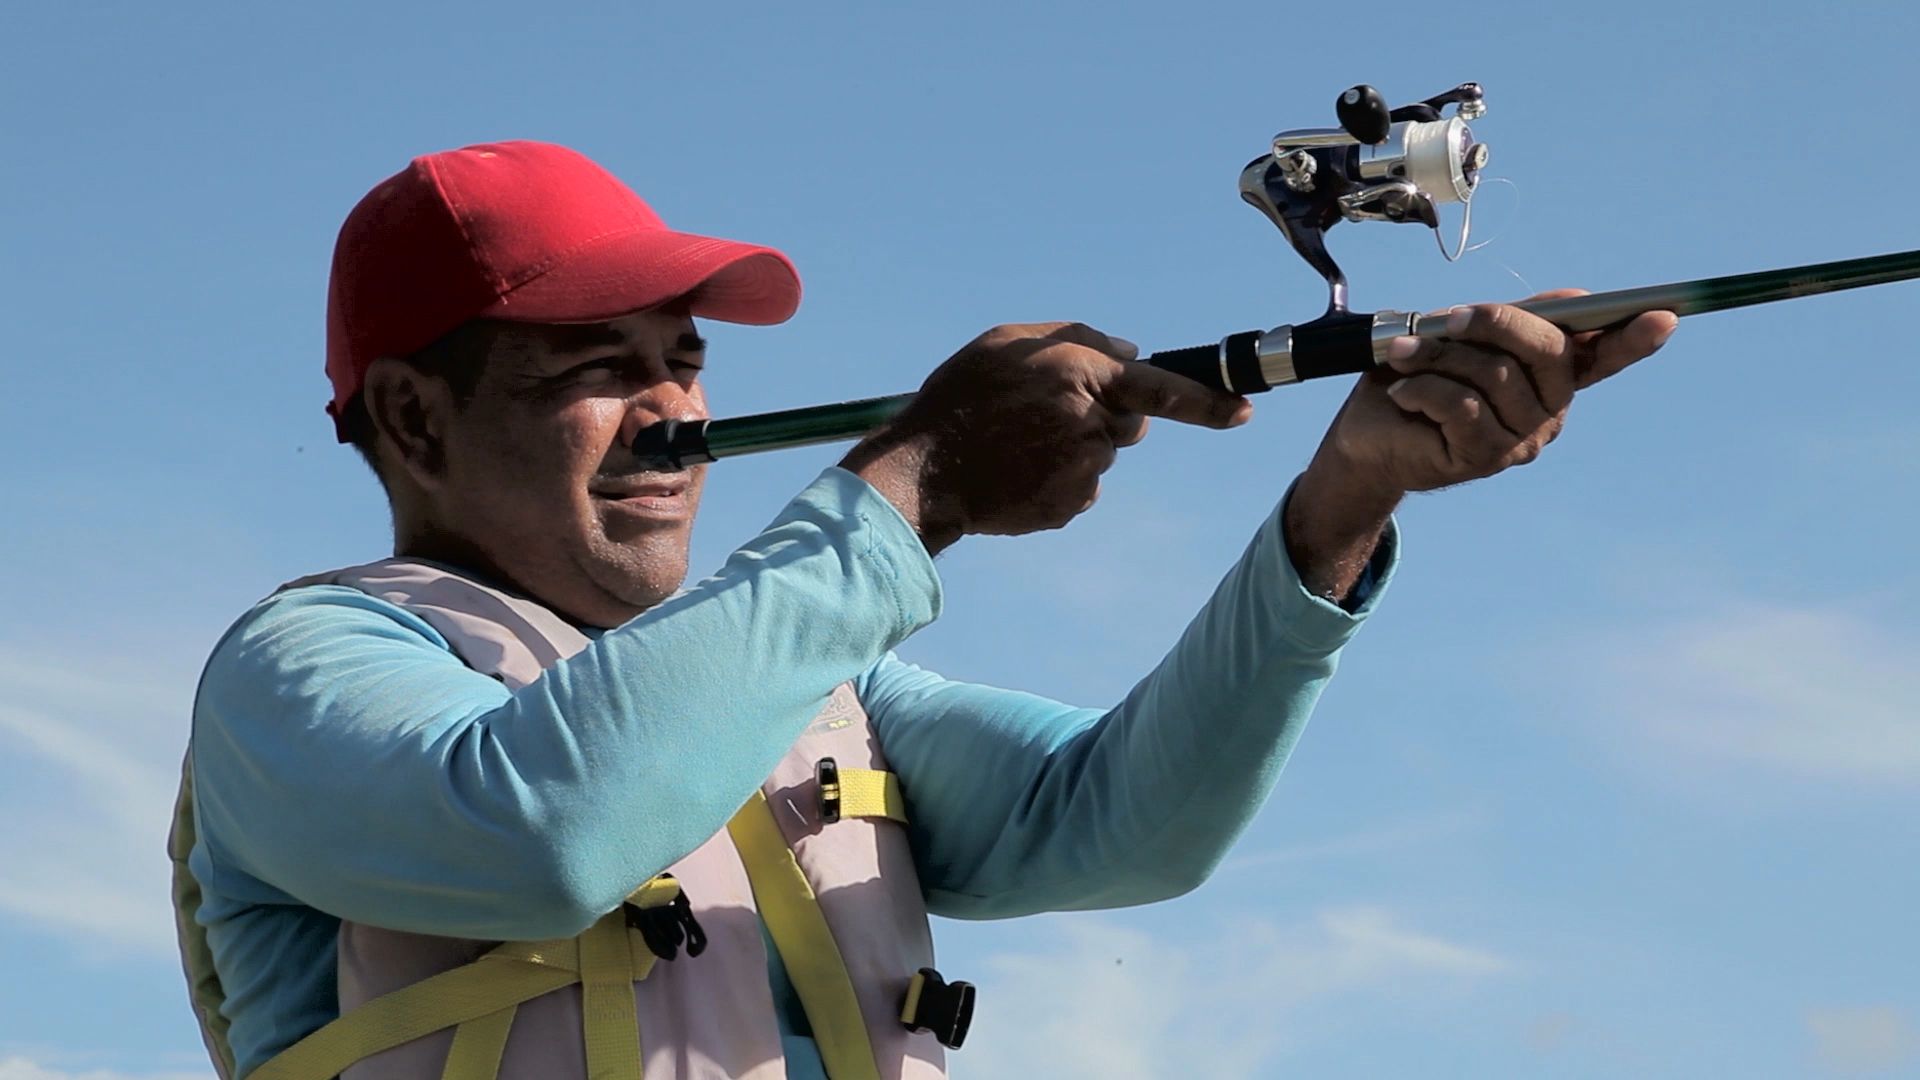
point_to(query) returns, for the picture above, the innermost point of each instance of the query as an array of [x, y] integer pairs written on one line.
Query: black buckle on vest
[[936, 1005], [826, 774], [667, 927]]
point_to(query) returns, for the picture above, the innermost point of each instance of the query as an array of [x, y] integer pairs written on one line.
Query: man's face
[[538, 474]]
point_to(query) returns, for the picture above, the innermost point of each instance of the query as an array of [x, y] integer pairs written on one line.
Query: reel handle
[[1364, 114]]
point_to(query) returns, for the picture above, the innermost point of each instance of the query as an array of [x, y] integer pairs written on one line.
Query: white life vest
[[819, 853]]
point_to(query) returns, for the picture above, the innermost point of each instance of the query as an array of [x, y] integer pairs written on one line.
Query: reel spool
[[1395, 165]]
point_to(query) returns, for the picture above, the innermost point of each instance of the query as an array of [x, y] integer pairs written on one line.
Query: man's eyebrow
[[573, 339], [565, 340]]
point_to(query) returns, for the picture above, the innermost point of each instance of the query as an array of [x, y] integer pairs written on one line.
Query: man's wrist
[[1333, 524], [896, 467]]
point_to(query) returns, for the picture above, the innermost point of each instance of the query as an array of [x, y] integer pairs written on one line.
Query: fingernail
[[1458, 318], [1128, 350], [1402, 348], [1394, 390]]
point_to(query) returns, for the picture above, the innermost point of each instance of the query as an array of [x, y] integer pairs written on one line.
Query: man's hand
[[1489, 396], [1011, 434]]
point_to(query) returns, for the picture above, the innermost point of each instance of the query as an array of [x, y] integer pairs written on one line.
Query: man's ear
[[410, 410]]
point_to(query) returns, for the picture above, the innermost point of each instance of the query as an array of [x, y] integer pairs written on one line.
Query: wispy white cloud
[[1863, 1039], [89, 756], [19, 1068], [1816, 694], [1118, 1004], [1362, 945]]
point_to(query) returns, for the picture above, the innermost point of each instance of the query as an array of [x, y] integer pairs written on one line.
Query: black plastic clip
[[936, 1005], [826, 774], [669, 926]]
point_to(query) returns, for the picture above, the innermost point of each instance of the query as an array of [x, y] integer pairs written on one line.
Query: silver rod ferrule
[[1388, 325], [1275, 352]]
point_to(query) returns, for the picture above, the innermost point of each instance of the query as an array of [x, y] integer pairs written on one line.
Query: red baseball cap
[[525, 231]]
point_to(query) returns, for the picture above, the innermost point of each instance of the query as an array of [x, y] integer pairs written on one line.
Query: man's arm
[[350, 763], [343, 756], [1021, 804], [1060, 804]]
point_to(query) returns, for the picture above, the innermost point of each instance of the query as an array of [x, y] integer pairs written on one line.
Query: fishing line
[[1395, 165]]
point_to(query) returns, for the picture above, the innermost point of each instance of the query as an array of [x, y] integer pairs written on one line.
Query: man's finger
[[1500, 379], [1082, 334], [1539, 345], [1145, 389], [1608, 354], [1098, 457], [1126, 428], [1474, 438]]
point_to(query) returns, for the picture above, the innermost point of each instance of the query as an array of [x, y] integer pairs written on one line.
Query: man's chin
[[639, 578]]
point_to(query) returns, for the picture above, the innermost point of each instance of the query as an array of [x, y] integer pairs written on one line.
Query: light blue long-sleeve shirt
[[347, 765]]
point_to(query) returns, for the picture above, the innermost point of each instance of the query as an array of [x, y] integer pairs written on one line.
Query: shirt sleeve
[[345, 758], [1019, 804]]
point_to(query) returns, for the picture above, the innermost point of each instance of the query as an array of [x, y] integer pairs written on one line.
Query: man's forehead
[[646, 329]]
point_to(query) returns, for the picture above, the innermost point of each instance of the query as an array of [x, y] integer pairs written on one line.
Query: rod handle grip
[[1230, 365]]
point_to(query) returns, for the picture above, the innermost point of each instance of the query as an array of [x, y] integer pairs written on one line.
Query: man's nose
[[659, 401]]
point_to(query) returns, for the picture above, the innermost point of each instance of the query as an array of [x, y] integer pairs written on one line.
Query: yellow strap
[[478, 1046], [910, 1005], [871, 793], [562, 953], [434, 1004], [609, 1022], [203, 983], [799, 931], [657, 891], [472, 997]]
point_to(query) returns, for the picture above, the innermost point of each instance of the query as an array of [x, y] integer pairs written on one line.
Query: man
[[514, 803]]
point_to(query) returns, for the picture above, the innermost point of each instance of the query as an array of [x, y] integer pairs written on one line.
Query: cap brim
[[722, 279]]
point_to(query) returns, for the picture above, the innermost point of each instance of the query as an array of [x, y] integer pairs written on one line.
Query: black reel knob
[[1364, 114]]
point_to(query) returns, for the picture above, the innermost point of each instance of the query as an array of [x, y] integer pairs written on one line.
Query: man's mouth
[[663, 498]]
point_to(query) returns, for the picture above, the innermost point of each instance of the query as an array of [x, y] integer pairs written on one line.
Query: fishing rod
[[1380, 164]]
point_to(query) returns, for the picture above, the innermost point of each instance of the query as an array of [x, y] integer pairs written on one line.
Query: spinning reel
[[1378, 165]]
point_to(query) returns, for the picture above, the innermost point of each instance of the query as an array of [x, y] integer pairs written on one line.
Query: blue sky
[[1621, 778]]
